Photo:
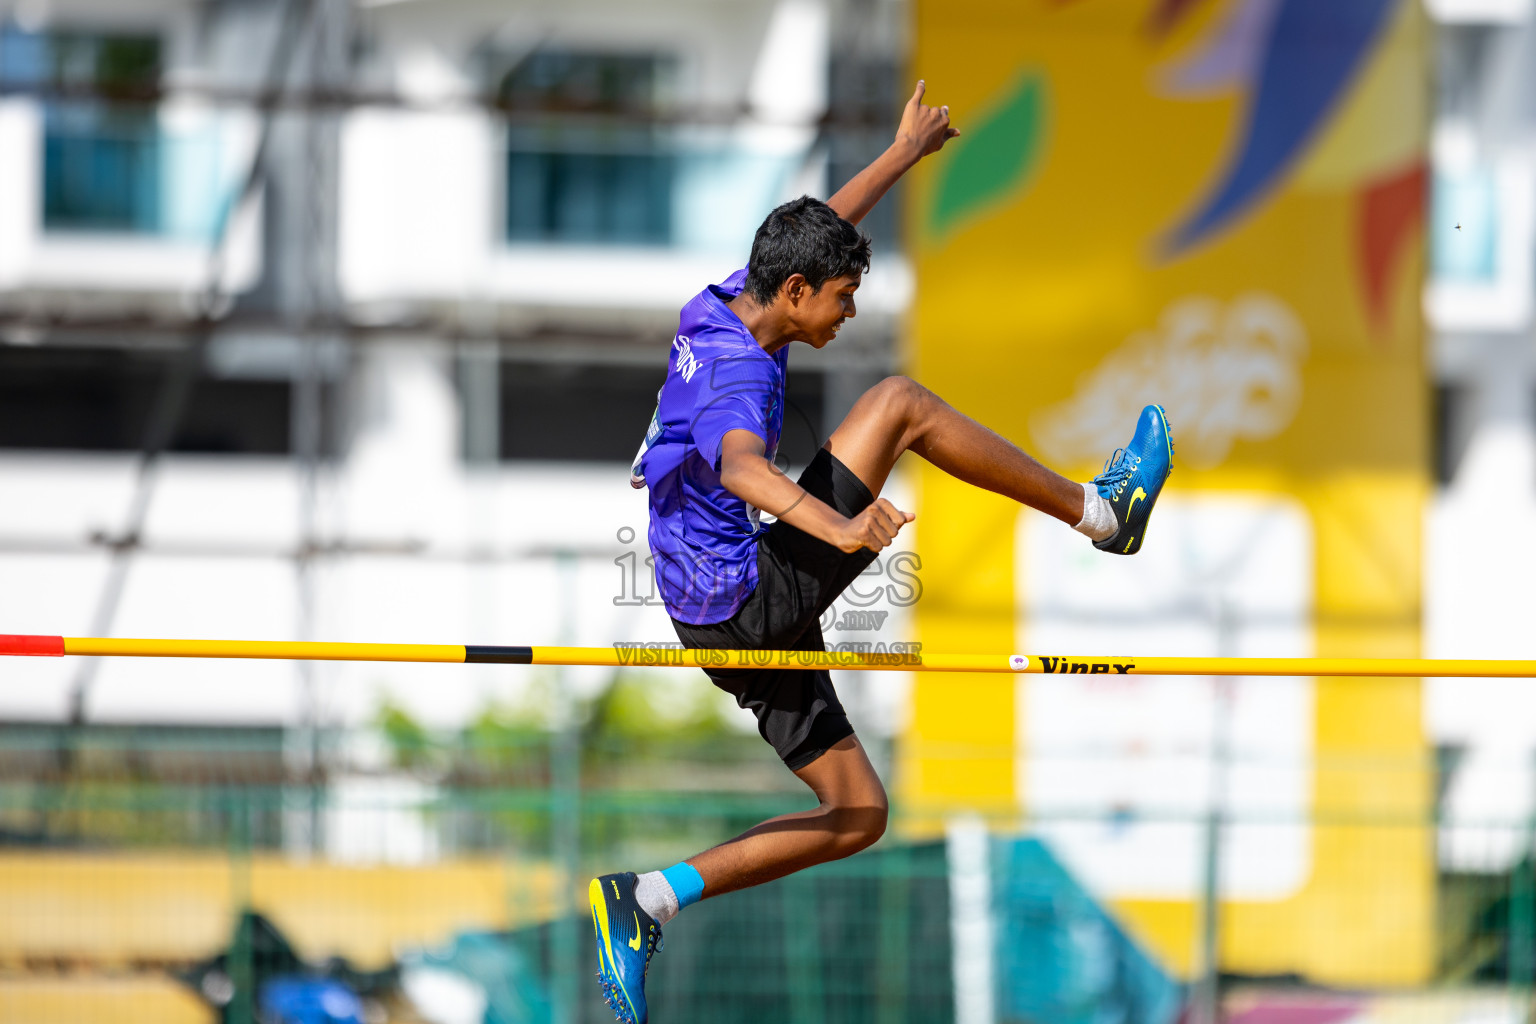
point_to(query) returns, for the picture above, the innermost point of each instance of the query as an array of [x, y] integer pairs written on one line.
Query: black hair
[[806, 237]]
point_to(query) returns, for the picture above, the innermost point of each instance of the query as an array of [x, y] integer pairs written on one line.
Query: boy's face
[[818, 313]]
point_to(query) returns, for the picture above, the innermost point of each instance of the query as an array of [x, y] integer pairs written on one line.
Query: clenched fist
[[874, 528]]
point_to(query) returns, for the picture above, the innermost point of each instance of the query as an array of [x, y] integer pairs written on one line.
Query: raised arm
[[923, 130]]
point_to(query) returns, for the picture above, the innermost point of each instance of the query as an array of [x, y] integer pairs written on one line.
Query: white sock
[[656, 897], [1099, 520]]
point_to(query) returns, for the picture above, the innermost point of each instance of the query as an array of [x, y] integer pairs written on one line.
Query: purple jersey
[[719, 379]]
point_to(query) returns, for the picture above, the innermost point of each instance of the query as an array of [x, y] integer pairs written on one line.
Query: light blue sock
[[663, 893], [686, 882]]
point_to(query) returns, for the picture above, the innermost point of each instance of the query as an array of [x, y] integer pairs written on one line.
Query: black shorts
[[798, 578]]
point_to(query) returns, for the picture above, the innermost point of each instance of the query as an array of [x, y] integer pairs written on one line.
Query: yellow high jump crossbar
[[895, 657]]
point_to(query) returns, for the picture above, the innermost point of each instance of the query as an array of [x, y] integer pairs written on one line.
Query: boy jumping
[[730, 582]]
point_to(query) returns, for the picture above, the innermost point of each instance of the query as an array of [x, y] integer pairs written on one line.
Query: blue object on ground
[[514, 990], [1061, 958], [301, 1000]]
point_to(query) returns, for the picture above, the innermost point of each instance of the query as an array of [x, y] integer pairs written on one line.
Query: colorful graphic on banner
[[1215, 206]]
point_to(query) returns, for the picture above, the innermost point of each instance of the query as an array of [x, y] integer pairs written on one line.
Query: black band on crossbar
[[498, 655]]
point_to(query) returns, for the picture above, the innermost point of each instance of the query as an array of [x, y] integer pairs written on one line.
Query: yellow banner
[[1216, 207]]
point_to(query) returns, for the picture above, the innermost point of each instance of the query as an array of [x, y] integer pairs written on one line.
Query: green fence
[[178, 870]]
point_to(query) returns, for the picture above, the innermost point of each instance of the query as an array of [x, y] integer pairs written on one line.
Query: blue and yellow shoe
[[1133, 478], [627, 938]]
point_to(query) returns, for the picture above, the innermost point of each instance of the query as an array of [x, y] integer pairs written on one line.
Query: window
[[1464, 239], [105, 160], [864, 103], [599, 413], [125, 65], [102, 399], [562, 81], [588, 191], [585, 165], [1452, 429], [101, 170]]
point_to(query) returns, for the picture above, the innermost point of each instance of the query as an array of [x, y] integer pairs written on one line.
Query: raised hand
[[923, 127], [923, 130]]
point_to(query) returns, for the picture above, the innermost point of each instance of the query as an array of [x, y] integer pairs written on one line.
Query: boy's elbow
[[731, 474], [736, 472]]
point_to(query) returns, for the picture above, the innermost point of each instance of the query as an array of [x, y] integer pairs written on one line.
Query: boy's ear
[[795, 288]]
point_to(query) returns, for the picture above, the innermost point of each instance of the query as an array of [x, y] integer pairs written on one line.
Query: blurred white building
[[441, 307], [1479, 304], [442, 244]]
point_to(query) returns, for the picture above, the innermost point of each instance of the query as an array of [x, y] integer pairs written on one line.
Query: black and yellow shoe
[[627, 938]]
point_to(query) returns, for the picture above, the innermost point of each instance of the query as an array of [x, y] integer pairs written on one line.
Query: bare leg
[[894, 416], [899, 415], [852, 815]]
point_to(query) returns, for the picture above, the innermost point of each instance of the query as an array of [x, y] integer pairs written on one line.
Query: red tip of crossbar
[[37, 646]]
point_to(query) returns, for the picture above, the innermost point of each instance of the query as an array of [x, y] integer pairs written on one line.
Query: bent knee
[[875, 827], [900, 390], [858, 828]]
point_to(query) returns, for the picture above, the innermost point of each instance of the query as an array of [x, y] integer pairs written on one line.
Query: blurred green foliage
[[638, 723], [673, 739]]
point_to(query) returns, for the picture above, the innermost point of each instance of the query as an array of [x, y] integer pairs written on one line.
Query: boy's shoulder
[[715, 358], [713, 346], [733, 285], [709, 304]]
